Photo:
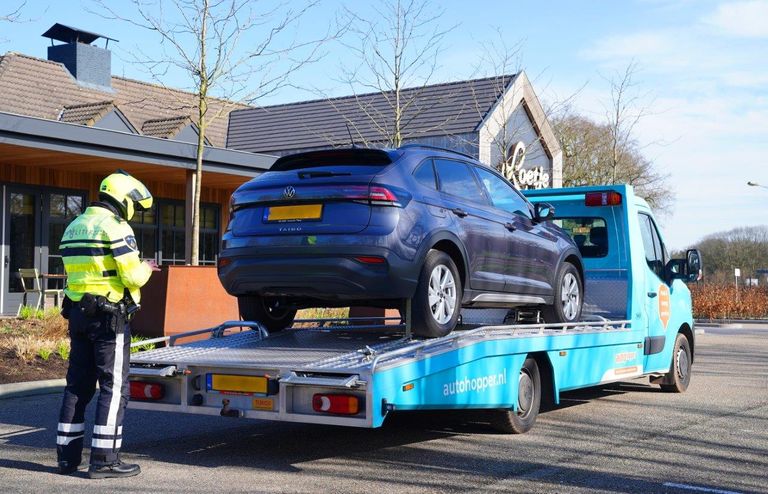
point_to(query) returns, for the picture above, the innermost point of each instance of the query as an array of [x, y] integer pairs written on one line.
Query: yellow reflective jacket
[[101, 257]]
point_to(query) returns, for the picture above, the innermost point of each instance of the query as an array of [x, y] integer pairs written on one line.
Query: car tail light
[[609, 198], [146, 391], [336, 403]]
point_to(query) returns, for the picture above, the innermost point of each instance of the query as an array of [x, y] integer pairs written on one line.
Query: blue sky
[[702, 71]]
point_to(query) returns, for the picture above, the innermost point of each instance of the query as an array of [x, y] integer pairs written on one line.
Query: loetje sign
[[524, 178]]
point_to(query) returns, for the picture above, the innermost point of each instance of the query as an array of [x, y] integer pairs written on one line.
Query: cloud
[[747, 19]]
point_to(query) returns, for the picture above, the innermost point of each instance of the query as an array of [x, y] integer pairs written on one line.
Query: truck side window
[[654, 249]]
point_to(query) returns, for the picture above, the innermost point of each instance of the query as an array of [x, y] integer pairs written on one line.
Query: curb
[[31, 388]]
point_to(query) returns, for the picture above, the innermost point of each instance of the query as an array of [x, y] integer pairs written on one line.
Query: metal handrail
[[216, 331]]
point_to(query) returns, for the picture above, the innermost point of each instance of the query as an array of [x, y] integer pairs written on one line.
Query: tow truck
[[637, 322]]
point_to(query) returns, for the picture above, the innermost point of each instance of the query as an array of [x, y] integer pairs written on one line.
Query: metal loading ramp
[[287, 349]]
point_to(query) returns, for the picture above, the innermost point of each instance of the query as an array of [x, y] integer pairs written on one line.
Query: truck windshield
[[590, 235]]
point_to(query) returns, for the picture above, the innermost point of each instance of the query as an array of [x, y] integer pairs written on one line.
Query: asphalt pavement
[[625, 437]]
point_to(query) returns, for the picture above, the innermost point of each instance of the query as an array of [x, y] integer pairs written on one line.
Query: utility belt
[[94, 305]]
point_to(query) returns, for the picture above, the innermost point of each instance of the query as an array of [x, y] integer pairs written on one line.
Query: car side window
[[502, 195], [456, 178], [654, 249], [425, 174]]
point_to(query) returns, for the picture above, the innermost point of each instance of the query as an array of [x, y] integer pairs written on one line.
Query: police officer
[[104, 275]]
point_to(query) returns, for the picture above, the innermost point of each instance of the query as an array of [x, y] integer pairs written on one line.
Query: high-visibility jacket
[[101, 257]]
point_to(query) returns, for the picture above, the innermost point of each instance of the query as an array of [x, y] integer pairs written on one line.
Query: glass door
[[33, 224], [22, 242]]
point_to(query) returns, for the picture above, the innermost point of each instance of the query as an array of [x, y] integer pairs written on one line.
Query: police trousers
[[97, 354]]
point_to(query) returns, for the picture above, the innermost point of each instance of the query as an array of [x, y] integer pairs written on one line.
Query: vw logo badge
[[289, 192]]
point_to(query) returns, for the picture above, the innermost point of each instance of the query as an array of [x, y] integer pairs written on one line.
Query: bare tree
[[12, 16], [623, 115], [590, 154], [396, 52], [203, 40]]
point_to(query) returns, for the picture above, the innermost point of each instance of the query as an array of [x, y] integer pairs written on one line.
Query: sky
[[702, 75]]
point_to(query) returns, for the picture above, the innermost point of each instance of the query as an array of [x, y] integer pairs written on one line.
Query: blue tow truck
[[637, 321]]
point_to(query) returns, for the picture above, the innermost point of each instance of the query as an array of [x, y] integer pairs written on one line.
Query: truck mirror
[[694, 271], [544, 211]]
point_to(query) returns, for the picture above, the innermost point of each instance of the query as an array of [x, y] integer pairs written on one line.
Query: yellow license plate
[[293, 213], [263, 404], [237, 384]]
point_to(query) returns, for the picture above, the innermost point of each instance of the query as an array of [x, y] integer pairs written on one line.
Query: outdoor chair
[[32, 276]]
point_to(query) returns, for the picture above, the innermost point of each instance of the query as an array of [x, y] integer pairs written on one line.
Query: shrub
[[26, 347], [45, 353], [141, 348], [63, 349], [29, 312], [717, 301]]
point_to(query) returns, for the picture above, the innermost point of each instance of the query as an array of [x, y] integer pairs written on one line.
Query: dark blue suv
[[374, 227]]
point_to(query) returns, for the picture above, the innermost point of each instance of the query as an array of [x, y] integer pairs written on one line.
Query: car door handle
[[459, 212], [510, 227], [652, 294]]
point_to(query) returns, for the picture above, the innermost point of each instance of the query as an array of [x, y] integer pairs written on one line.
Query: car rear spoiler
[[330, 157]]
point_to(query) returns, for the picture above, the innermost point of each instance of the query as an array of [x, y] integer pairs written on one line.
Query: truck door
[[657, 304]]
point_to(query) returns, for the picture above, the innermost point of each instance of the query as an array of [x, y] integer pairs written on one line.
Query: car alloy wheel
[[570, 296], [442, 294]]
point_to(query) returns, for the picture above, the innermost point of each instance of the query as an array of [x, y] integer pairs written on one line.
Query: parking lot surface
[[623, 437]]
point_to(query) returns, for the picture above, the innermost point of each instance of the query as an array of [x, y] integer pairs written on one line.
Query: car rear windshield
[[340, 157], [590, 235]]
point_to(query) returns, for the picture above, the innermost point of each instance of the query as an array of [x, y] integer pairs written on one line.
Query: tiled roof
[[86, 113], [165, 127], [440, 109], [41, 88]]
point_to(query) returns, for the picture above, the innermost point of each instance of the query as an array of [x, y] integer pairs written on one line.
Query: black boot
[[66, 468], [114, 470]]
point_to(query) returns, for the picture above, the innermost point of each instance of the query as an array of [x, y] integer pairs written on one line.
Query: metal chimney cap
[[67, 34]]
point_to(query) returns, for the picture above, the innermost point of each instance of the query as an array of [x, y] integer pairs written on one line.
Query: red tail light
[[337, 404], [146, 391], [375, 195], [609, 198]]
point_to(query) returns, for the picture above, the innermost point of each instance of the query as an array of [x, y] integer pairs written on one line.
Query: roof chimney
[[90, 65]]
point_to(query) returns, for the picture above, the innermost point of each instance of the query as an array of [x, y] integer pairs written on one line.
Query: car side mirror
[[543, 211], [688, 269]]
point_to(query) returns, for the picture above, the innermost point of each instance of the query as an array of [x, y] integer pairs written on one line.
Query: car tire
[[522, 420], [436, 304], [679, 375], [267, 311], [568, 296]]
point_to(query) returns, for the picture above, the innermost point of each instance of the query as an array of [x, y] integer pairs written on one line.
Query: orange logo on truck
[[665, 309]]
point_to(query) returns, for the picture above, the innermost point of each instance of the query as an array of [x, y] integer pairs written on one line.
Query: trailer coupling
[[227, 411]]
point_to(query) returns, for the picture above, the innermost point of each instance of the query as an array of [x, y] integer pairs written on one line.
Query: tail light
[[336, 404], [609, 198], [146, 391], [375, 195]]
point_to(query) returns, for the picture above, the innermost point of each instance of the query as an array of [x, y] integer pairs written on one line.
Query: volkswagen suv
[[375, 227]]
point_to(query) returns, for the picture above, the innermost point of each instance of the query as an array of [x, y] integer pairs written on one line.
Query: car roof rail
[[437, 148]]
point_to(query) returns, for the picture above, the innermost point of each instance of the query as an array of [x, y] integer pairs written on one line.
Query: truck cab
[[627, 268]]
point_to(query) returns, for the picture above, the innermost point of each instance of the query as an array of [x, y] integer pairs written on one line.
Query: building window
[[160, 232]]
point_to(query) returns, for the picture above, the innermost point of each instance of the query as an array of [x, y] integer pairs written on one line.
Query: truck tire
[[568, 296], [679, 375], [266, 310], [437, 302], [528, 402]]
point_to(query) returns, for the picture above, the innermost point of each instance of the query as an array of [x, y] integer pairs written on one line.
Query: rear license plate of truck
[[228, 383], [295, 213]]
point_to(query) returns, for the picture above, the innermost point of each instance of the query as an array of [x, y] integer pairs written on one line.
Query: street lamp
[[755, 184]]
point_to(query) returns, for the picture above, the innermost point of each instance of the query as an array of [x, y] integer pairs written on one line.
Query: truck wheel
[[680, 372], [437, 302], [266, 310], [528, 402], [568, 296]]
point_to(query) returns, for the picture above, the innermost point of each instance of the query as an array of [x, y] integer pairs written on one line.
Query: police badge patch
[[130, 241]]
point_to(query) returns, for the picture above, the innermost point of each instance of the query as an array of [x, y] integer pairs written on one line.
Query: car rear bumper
[[318, 272]]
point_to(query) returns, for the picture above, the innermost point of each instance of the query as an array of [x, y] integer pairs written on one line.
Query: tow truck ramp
[[342, 372]]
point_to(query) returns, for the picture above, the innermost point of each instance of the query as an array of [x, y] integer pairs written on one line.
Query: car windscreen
[[340, 157], [589, 234]]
